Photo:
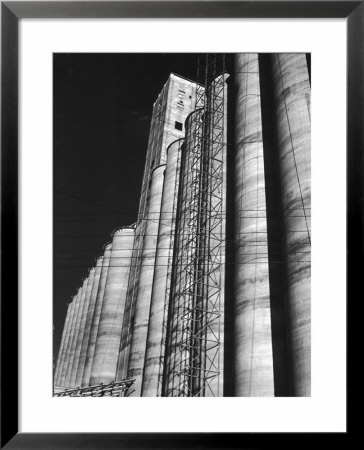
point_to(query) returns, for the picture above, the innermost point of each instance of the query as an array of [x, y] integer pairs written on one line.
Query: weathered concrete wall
[[154, 357], [292, 98], [142, 307], [78, 336], [80, 357], [96, 317], [253, 360], [62, 347], [112, 313]]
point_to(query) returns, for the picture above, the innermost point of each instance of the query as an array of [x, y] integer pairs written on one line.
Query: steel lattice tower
[[194, 350]]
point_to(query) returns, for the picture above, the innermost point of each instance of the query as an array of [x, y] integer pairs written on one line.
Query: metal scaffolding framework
[[193, 356], [113, 389]]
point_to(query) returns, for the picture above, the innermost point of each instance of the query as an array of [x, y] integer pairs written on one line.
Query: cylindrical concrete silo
[[73, 339], [253, 359], [85, 326], [154, 357], [108, 338], [292, 103], [132, 289], [76, 338], [62, 346], [96, 316], [142, 307], [89, 318], [68, 344]]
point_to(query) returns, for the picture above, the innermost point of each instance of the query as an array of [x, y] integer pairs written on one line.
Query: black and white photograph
[[182, 224]]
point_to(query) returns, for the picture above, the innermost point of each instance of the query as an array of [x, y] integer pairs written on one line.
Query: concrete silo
[[62, 348], [253, 359], [90, 315], [63, 370], [89, 318], [154, 356], [78, 336], [143, 298], [292, 108], [109, 333], [96, 316], [86, 301], [73, 338]]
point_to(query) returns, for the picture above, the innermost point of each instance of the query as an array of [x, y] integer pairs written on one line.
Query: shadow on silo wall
[[229, 332]]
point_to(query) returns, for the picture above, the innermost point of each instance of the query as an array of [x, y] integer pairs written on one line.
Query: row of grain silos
[[91, 335], [271, 190], [208, 294], [106, 339]]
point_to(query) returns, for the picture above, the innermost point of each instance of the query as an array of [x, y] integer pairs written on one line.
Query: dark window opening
[[178, 126]]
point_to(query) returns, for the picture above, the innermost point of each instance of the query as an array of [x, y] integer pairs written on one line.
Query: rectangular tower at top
[[174, 103]]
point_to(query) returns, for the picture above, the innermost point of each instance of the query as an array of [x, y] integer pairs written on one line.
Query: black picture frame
[[11, 12]]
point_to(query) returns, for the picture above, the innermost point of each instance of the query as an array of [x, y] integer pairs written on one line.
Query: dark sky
[[102, 111]]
